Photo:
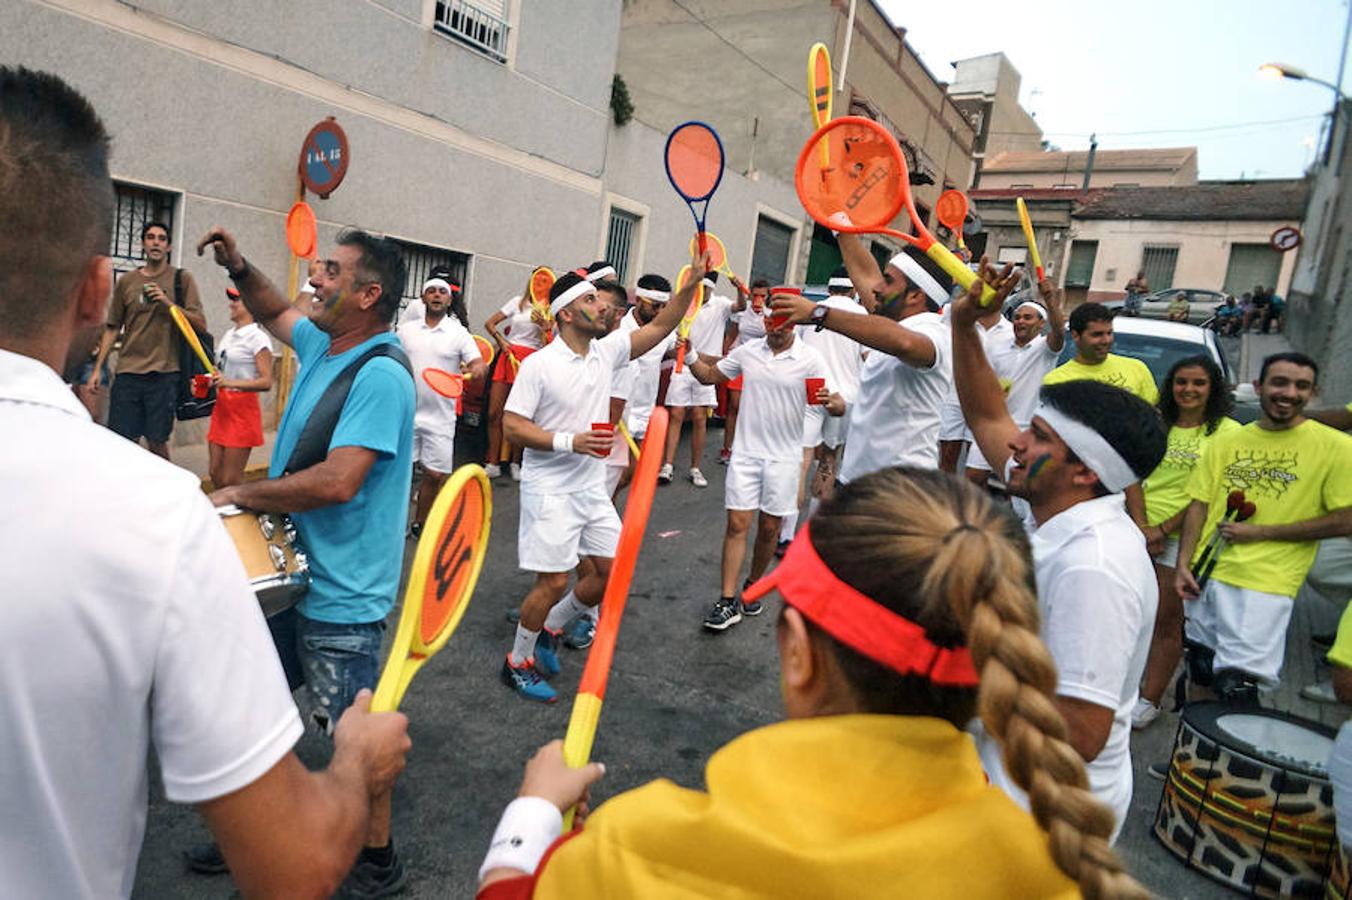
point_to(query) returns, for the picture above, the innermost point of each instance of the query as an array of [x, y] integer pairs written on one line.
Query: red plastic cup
[[813, 386], [775, 321], [603, 426], [201, 386]]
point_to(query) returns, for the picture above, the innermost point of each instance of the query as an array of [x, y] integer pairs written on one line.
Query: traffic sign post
[[1285, 238], [324, 158]]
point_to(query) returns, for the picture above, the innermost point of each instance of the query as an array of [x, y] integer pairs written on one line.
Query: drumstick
[[1234, 502], [1245, 513], [445, 569]]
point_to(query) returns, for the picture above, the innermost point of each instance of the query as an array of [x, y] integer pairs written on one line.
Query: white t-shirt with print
[[521, 328], [238, 349]]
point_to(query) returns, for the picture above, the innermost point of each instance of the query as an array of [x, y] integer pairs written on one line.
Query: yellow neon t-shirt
[[1119, 371], [1340, 654], [1290, 476], [1166, 488]]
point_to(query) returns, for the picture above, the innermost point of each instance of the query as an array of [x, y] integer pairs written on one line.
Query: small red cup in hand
[[775, 321], [201, 386], [814, 387]]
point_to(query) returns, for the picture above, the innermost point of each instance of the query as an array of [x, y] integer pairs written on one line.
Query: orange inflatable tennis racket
[[591, 690], [865, 187], [448, 384], [683, 329], [951, 211], [541, 280], [694, 160], [485, 348], [445, 569], [718, 254], [1028, 235], [301, 231], [189, 335], [819, 93]]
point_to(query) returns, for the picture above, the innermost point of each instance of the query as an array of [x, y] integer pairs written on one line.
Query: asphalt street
[[676, 694]]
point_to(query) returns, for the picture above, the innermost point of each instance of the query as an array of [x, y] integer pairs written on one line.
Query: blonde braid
[[938, 550]]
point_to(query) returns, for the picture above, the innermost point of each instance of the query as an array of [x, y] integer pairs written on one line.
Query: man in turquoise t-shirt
[[350, 506]]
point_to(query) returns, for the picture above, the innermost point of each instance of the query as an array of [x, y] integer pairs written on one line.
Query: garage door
[[1251, 264]]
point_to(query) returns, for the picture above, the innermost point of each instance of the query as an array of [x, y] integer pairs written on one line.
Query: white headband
[[581, 289], [438, 282], [839, 283], [1034, 305], [919, 277], [654, 296], [1091, 447], [603, 272], [707, 282]]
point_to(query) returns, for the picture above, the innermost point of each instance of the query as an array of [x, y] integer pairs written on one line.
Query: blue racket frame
[[700, 216]]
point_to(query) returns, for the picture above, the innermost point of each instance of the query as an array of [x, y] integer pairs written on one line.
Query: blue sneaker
[[546, 652], [580, 633], [750, 607], [526, 681]]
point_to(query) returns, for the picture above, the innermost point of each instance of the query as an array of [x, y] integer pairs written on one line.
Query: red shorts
[[735, 384], [505, 371], [236, 420]]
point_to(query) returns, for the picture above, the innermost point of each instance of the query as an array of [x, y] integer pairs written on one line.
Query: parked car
[[1160, 344], [1202, 304]]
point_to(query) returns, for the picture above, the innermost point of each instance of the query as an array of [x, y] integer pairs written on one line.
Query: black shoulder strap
[[313, 444], [178, 287]]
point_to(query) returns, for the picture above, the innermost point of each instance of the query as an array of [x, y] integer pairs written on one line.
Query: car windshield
[[1157, 353]]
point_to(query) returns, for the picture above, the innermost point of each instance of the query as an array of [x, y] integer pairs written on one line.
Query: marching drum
[[1248, 800], [266, 543]]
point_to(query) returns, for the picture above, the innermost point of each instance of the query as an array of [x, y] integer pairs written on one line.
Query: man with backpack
[[341, 467], [146, 381]]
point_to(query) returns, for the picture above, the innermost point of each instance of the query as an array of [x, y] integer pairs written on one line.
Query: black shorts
[[143, 406]]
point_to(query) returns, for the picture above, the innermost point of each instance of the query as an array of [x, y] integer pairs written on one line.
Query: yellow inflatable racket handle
[[189, 335]]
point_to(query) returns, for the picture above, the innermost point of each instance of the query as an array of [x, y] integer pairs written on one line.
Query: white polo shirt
[[774, 398], [448, 346], [842, 355], [706, 332], [126, 620], [750, 325], [1023, 370], [993, 339], [896, 419], [644, 378], [1096, 597], [559, 390]]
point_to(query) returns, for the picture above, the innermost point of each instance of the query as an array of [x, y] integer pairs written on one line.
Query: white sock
[[594, 613], [787, 526], [523, 647], [812, 505], [565, 611]]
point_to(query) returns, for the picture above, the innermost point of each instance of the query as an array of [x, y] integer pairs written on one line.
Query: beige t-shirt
[[150, 341]]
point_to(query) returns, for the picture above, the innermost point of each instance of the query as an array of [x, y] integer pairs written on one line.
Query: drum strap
[[313, 444]]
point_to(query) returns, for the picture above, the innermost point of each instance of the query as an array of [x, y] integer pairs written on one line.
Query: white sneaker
[[697, 478], [1143, 713], [516, 471], [493, 470], [664, 473], [1319, 692]]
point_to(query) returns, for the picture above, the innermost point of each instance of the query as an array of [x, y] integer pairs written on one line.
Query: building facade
[[1065, 169], [986, 88]]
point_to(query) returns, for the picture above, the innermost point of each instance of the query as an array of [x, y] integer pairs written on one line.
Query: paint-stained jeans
[[334, 661]]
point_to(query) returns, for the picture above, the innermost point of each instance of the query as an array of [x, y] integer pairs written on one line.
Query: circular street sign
[[323, 158], [1285, 238]]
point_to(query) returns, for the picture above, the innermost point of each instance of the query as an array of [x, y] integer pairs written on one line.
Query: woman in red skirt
[[244, 369], [526, 331]]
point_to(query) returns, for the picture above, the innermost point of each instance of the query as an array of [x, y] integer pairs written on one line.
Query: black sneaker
[[750, 607], [369, 880], [205, 859], [781, 548], [415, 530], [1158, 771], [723, 616]]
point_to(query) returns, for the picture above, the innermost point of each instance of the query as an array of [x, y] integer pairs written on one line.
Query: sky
[[1184, 69]]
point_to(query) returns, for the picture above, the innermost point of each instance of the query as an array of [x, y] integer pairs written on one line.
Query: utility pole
[[1089, 162]]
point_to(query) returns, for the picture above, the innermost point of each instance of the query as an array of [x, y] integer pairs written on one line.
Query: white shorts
[[952, 426], [435, 448], [1245, 628], [557, 529], [613, 474], [820, 427], [685, 390], [769, 485], [1169, 555], [976, 459]]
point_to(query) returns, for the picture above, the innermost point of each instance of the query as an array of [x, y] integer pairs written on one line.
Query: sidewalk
[[194, 458], [1253, 347]]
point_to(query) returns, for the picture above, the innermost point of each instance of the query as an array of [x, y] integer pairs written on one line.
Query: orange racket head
[[718, 254], [301, 230], [541, 280], [485, 348], [951, 210], [447, 384], [819, 84], [694, 158], [866, 185]]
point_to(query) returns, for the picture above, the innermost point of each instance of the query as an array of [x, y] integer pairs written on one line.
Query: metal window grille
[[136, 206], [421, 259], [1159, 263], [481, 24], [620, 241]]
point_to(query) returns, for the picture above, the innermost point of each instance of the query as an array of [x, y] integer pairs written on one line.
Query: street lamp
[[1281, 70]]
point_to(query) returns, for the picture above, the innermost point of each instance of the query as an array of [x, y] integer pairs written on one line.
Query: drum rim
[[1204, 718]]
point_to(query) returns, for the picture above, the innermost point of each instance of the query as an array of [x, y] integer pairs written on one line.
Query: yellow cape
[[841, 806]]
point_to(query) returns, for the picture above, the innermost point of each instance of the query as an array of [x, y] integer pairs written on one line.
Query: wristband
[[527, 827], [241, 272], [563, 442]]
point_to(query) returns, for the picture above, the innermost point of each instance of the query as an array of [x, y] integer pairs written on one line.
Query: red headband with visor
[[860, 622]]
